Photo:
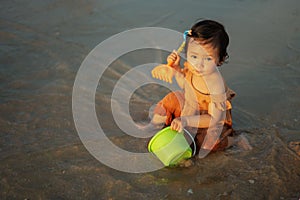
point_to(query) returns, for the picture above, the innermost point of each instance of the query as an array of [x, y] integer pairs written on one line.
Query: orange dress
[[174, 104]]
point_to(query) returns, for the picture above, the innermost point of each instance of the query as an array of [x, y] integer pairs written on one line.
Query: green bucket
[[170, 146]]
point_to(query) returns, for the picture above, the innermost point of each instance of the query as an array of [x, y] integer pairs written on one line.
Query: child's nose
[[200, 63]]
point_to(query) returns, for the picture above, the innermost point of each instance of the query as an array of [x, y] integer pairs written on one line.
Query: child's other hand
[[177, 124], [173, 59], [163, 72]]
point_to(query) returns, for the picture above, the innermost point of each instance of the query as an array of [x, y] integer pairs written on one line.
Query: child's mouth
[[197, 70]]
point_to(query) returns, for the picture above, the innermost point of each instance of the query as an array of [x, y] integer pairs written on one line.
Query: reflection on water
[[42, 46]]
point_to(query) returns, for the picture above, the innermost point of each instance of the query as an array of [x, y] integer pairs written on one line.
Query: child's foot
[[242, 142], [186, 163], [149, 127]]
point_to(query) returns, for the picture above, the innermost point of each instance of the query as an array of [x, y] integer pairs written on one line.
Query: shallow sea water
[[43, 44]]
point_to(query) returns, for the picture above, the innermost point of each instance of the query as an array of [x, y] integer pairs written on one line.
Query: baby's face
[[202, 58]]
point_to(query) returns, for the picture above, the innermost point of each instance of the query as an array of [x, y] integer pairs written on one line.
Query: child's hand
[[178, 124], [163, 72], [173, 59]]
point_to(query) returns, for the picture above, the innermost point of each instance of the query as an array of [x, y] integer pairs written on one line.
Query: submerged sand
[[42, 46]]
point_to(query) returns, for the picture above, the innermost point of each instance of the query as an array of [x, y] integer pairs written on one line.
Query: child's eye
[[193, 56], [208, 59]]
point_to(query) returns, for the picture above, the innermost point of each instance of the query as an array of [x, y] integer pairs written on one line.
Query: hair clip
[[185, 33]]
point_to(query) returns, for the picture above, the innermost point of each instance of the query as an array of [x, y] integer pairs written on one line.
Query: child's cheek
[[210, 64]]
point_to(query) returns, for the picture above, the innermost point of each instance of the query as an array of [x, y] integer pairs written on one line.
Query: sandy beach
[[43, 44]]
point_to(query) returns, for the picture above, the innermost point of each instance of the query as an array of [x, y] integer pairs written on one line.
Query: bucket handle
[[192, 138]]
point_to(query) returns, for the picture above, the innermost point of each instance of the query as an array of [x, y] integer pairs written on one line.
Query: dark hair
[[212, 32]]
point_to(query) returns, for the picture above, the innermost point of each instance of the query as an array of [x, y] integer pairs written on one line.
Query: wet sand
[[42, 46]]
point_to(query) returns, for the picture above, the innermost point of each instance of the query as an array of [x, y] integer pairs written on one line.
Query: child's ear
[[221, 62], [224, 60]]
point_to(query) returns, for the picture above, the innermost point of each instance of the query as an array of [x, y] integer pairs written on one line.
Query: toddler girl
[[203, 106]]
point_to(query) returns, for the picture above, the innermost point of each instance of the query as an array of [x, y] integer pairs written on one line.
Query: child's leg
[[227, 140], [168, 108], [224, 142], [165, 111]]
